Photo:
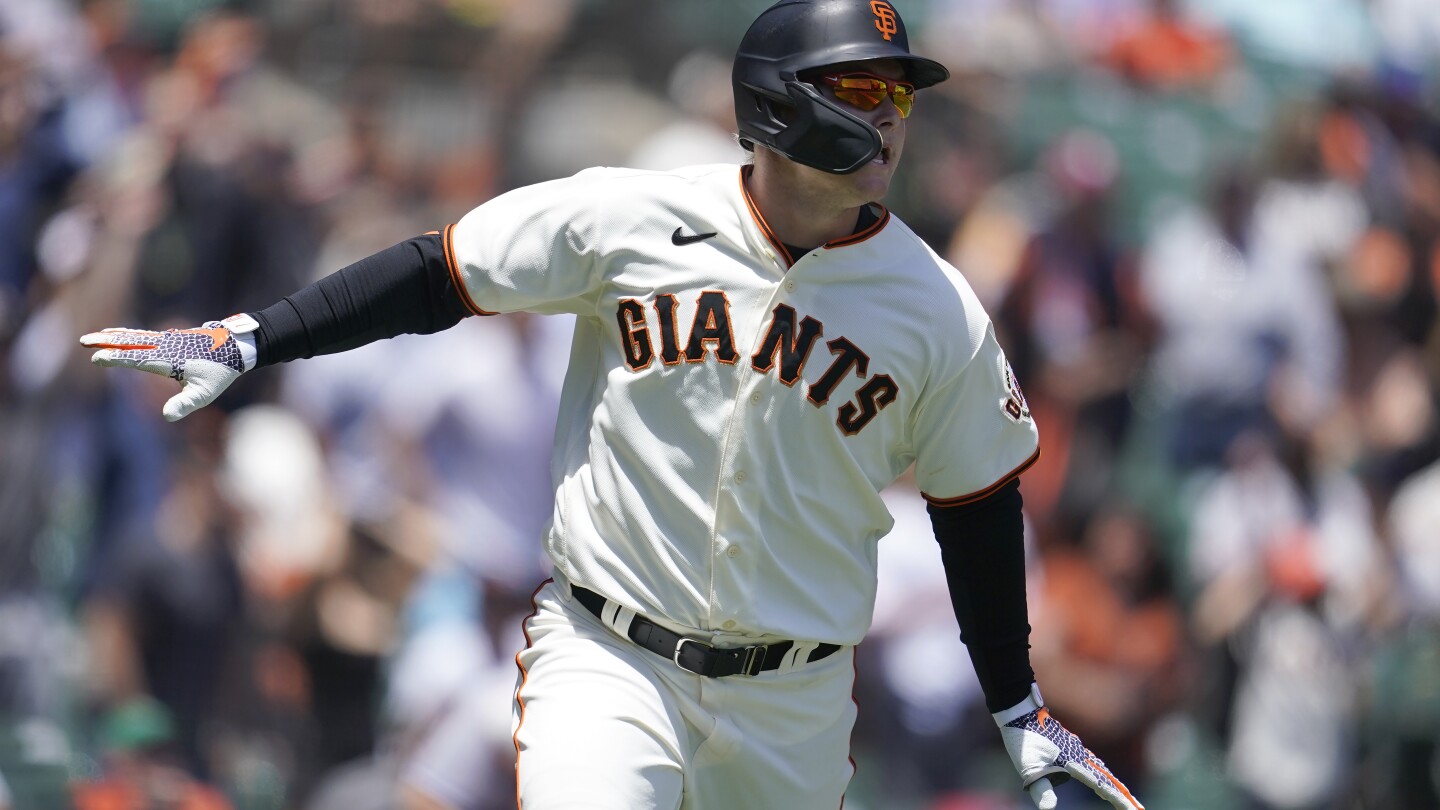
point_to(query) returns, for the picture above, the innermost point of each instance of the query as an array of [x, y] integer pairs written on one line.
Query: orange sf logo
[[884, 18]]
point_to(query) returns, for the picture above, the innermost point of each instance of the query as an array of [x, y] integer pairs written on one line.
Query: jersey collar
[[882, 218]]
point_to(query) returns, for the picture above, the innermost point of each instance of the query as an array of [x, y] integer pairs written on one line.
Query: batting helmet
[[775, 107]]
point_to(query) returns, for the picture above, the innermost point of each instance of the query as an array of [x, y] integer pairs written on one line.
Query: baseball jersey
[[728, 420]]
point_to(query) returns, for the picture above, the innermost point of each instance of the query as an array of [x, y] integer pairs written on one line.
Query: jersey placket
[[733, 479], [739, 467]]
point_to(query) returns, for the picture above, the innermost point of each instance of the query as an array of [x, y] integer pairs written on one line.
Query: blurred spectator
[[1070, 322], [1413, 517], [36, 165], [918, 724], [163, 616], [448, 696], [1166, 51], [344, 624], [230, 232], [1287, 565], [1403, 714], [303, 701], [139, 770], [1109, 638], [704, 133], [1237, 299]]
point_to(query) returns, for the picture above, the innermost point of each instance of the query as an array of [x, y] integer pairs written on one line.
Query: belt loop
[[798, 656], [754, 657], [618, 617]]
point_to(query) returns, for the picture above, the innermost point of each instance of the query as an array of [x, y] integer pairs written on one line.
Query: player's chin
[[872, 181]]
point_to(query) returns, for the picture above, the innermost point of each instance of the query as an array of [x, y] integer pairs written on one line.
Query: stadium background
[[1209, 232]]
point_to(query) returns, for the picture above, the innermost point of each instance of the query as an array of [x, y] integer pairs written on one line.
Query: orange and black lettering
[[712, 323], [794, 348], [873, 396], [847, 356], [634, 334], [669, 340]]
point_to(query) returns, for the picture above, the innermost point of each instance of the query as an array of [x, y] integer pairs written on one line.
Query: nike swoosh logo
[[678, 238], [217, 335]]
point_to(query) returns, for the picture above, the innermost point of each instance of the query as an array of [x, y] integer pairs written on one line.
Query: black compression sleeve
[[405, 289], [982, 545]]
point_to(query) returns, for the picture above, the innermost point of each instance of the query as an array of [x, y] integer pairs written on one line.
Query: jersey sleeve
[[534, 249], [973, 432]]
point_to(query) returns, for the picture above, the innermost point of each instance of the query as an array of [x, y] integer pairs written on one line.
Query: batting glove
[[205, 360], [1041, 748]]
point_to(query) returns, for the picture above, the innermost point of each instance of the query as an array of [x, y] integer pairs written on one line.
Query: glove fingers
[[1043, 794], [121, 339], [142, 360], [1094, 775]]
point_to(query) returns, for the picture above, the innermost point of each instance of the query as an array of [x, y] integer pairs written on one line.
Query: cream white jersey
[[729, 418]]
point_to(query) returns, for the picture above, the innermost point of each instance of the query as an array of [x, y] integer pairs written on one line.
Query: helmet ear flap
[[824, 136]]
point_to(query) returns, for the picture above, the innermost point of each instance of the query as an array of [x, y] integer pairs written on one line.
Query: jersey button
[[740, 477], [755, 398], [733, 551], [729, 624], [789, 286]]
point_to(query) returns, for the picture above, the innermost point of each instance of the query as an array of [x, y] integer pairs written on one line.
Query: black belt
[[696, 656]]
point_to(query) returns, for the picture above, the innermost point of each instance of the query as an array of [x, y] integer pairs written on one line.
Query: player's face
[[871, 181]]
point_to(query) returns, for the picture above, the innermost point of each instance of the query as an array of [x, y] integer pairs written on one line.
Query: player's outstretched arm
[[205, 360], [408, 288], [1046, 754]]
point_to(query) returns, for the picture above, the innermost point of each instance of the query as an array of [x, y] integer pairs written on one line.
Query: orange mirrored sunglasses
[[867, 91]]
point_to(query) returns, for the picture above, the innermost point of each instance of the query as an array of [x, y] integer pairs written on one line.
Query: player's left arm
[[982, 547]]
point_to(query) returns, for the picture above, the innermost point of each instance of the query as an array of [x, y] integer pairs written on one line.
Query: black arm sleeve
[[405, 289], [982, 545]]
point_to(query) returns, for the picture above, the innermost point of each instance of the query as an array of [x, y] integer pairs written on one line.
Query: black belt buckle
[[703, 659], [709, 662]]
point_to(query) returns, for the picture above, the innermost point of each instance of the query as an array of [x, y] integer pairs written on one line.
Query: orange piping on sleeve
[[454, 267], [961, 500]]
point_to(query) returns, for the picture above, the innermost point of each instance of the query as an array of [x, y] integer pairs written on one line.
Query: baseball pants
[[602, 723]]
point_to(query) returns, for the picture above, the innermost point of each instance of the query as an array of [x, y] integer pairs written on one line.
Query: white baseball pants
[[602, 723]]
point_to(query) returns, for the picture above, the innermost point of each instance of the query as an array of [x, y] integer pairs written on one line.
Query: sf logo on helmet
[[884, 18]]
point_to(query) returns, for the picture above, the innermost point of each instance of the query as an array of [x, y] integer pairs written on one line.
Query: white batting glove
[[1041, 748], [205, 359]]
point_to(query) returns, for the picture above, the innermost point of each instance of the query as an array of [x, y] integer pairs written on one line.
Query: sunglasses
[[867, 91]]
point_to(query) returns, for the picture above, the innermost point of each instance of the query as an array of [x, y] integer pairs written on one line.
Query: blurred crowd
[[1208, 231]]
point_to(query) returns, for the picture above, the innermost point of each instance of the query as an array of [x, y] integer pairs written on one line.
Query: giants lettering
[[847, 356], [793, 348], [873, 395], [712, 322], [669, 342], [784, 339], [635, 335]]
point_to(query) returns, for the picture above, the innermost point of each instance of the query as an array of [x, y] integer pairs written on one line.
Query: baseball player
[[759, 350]]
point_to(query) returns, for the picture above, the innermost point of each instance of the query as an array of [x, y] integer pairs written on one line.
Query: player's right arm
[[532, 249], [405, 289]]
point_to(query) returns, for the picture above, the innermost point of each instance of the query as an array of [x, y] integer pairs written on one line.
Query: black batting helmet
[[776, 108]]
